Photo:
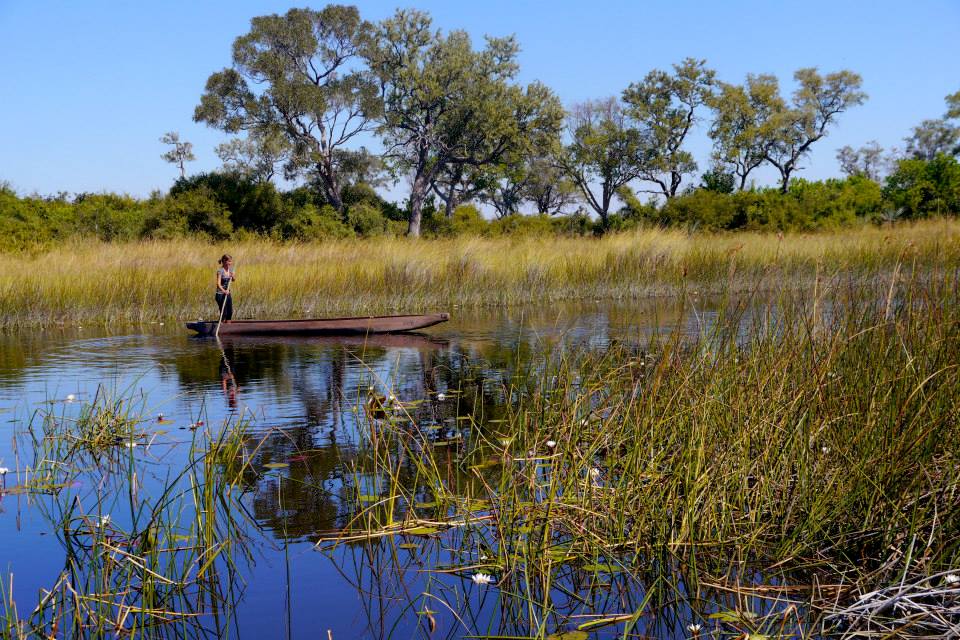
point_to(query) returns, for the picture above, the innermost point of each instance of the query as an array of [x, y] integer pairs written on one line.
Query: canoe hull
[[362, 325]]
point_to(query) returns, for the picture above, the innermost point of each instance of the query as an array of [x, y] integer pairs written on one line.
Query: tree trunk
[[331, 187], [785, 179], [604, 211], [418, 193], [452, 201], [675, 180]]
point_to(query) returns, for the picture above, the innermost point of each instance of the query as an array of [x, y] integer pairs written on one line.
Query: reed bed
[[807, 454], [143, 557], [95, 283]]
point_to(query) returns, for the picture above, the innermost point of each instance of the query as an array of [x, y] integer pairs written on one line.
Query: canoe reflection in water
[[289, 360]]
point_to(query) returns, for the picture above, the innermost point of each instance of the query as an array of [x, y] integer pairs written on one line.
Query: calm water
[[300, 399]]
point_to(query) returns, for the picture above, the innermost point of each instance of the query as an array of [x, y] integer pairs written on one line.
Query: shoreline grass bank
[[88, 282]]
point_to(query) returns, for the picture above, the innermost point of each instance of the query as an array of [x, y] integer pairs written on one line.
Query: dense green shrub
[[221, 205], [109, 217], [467, 220], [366, 219], [519, 225], [806, 206], [705, 209], [255, 206], [920, 188], [310, 223], [190, 212]]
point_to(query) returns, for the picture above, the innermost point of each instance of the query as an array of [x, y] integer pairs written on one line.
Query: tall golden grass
[[88, 282]]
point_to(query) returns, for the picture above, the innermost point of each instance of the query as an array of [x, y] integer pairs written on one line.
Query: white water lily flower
[[481, 578], [551, 444], [71, 397], [825, 450], [130, 445], [694, 628], [594, 473], [441, 397], [951, 578], [392, 398], [104, 521], [4, 471]]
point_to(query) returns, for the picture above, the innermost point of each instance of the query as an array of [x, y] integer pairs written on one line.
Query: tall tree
[[255, 156], [606, 152], [298, 74], [932, 137], [457, 183], [867, 161], [451, 113], [665, 105], [548, 187], [180, 154], [741, 128], [953, 106], [521, 174], [537, 178], [816, 104]]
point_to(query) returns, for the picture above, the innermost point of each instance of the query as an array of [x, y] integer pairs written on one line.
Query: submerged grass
[[95, 283], [816, 442], [142, 557]]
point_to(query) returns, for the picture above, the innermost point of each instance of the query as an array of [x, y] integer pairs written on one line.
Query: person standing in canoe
[[225, 275]]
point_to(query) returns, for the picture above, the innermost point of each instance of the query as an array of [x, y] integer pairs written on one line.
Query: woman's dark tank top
[[224, 279]]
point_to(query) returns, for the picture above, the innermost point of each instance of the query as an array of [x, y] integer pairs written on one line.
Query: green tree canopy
[[742, 128], [607, 151], [816, 104], [297, 75], [451, 111], [665, 106]]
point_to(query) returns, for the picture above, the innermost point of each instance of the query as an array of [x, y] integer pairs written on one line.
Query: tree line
[[305, 89]]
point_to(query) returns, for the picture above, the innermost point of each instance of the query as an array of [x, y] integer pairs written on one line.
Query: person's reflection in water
[[228, 382]]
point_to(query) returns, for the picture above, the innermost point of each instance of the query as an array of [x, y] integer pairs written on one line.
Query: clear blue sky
[[89, 87]]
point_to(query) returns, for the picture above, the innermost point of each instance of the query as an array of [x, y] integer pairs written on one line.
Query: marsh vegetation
[[121, 284], [786, 469]]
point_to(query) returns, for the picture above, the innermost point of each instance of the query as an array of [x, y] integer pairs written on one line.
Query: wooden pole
[[217, 332]]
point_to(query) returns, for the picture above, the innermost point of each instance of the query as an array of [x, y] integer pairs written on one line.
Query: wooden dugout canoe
[[360, 325]]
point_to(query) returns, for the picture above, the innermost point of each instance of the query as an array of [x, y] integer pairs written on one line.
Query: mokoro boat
[[405, 340], [360, 325]]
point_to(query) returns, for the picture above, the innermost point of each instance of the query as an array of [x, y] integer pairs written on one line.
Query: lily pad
[[603, 568], [485, 464], [569, 635], [422, 531], [276, 465]]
